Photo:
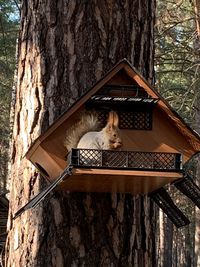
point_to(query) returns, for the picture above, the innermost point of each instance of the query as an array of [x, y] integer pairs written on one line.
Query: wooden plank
[[125, 183], [107, 172], [43, 159]]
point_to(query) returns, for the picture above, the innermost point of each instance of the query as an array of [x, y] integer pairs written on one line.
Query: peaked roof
[[184, 129]]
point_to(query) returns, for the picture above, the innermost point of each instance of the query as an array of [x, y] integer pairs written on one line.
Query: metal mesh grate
[[164, 201], [190, 189], [142, 120], [102, 118], [152, 160], [113, 159], [126, 159], [138, 120], [134, 120], [90, 157]]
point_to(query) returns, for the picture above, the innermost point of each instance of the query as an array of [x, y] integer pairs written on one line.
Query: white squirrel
[[84, 134]]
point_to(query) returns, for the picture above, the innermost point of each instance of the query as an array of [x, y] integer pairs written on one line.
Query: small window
[[133, 120], [136, 120]]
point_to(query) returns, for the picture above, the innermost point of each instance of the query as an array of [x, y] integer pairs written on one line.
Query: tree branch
[[17, 5]]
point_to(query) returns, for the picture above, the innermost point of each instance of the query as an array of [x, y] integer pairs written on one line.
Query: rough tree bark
[[166, 233], [161, 244], [64, 48], [168, 243], [197, 127], [197, 211]]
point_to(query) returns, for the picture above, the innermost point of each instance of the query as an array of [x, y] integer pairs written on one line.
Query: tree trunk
[[197, 225], [161, 246], [64, 48], [197, 17], [197, 128], [197, 211], [168, 243]]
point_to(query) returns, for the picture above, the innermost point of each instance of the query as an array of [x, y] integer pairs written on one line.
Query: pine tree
[[64, 48]]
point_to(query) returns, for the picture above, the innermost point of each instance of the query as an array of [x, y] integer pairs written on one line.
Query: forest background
[[177, 64]]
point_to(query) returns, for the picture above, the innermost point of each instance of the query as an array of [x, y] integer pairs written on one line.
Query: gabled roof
[[192, 136]]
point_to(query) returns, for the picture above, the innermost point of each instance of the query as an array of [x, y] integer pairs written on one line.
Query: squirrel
[[84, 134]]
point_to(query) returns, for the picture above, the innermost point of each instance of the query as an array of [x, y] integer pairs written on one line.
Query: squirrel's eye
[[114, 135]]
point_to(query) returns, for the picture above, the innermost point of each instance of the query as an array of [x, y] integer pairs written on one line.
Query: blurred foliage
[[9, 25], [176, 60], [177, 68]]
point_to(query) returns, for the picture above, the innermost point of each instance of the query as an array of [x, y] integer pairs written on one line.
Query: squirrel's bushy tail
[[88, 122]]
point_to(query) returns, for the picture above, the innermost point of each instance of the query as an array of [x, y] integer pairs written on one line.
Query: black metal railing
[[165, 202], [188, 187], [125, 102], [102, 99], [133, 160]]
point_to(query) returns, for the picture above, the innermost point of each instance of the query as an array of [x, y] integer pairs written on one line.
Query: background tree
[[177, 78], [64, 48], [8, 35], [197, 124]]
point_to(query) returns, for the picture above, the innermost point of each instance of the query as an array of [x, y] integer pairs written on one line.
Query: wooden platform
[[121, 181]]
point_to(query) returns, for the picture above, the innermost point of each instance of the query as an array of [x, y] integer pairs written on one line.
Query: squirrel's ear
[[116, 119], [110, 121], [113, 119]]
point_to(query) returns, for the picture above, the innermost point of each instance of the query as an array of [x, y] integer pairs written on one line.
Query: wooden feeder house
[[156, 142]]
